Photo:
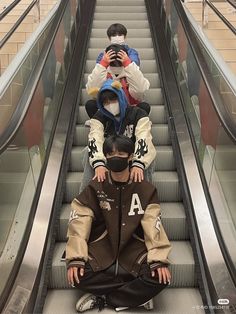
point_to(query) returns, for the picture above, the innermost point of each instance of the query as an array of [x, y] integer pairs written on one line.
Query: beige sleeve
[[138, 84], [97, 77], [145, 151], [79, 228], [156, 240], [95, 144]]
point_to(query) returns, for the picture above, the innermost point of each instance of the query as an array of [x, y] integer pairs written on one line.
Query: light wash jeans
[[89, 172]]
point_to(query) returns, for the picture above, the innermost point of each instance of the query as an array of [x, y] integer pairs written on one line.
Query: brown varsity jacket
[[110, 222]]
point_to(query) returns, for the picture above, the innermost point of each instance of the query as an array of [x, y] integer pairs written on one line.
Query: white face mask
[[113, 108], [120, 40]]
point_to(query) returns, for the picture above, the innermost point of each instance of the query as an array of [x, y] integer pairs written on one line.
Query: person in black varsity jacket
[[116, 117], [117, 249]]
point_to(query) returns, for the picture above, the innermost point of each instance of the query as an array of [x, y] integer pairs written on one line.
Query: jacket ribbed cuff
[[155, 265], [104, 63], [75, 263], [126, 62], [139, 164], [98, 163]]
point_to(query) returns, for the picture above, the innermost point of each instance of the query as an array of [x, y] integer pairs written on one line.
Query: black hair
[[116, 29], [120, 143], [107, 95], [116, 48]]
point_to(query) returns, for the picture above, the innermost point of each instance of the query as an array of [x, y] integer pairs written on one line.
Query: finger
[[131, 175], [135, 176], [142, 175], [76, 274], [81, 272], [69, 276], [163, 271], [159, 275], [153, 273]]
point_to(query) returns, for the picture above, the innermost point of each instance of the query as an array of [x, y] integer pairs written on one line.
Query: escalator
[[184, 287], [180, 191]]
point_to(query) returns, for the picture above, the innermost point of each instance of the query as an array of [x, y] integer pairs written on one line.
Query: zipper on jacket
[[142, 258], [120, 217]]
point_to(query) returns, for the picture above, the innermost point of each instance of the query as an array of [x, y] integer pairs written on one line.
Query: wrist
[[126, 62], [104, 63]]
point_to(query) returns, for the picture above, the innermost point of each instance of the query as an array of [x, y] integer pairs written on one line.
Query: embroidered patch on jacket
[[158, 223], [129, 130], [73, 215], [142, 148], [92, 148], [105, 205]]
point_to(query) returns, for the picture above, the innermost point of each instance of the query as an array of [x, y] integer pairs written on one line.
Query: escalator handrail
[[221, 16], [8, 9], [34, 258], [224, 116], [24, 102], [199, 210], [17, 24]]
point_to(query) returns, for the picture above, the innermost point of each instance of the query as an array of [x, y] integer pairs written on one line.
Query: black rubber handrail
[[224, 116], [8, 9], [18, 22], [221, 16]]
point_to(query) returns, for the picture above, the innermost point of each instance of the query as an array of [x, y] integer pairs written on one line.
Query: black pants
[[123, 289], [91, 107]]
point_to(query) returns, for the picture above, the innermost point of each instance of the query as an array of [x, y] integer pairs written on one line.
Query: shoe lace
[[100, 303]]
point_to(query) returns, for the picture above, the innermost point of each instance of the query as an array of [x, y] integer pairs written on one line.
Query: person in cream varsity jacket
[[117, 65], [116, 117], [117, 249]]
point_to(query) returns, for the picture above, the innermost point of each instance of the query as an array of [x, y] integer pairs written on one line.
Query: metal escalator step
[[186, 301], [167, 184], [146, 66], [182, 267], [120, 2], [120, 9], [132, 42], [117, 15], [128, 23], [132, 33], [173, 219], [160, 133], [164, 159], [153, 78]]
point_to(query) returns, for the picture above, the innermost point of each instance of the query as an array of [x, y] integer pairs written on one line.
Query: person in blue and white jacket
[[115, 116]]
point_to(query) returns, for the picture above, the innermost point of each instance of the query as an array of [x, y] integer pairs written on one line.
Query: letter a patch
[[135, 204]]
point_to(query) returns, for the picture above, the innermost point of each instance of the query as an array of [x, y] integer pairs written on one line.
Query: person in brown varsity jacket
[[117, 249]]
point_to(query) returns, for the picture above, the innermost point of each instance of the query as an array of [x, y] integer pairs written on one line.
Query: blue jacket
[[132, 53], [123, 103]]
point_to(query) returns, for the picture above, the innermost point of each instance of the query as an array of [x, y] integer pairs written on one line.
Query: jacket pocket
[[102, 236]]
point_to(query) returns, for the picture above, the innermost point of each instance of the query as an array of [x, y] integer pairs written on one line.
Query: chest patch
[[135, 206], [129, 130]]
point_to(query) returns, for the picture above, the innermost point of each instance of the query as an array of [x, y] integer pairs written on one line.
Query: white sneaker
[[89, 301], [147, 305]]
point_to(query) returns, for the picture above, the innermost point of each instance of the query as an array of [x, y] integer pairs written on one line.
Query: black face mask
[[117, 164]]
